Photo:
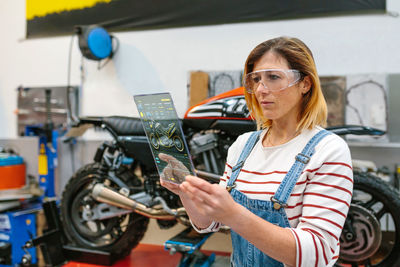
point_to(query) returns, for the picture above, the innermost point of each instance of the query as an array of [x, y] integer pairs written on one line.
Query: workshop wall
[[160, 60]]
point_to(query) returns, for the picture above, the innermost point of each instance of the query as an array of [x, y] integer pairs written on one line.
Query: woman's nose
[[262, 88]]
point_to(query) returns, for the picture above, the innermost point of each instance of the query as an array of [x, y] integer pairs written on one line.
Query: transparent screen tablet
[[164, 133]]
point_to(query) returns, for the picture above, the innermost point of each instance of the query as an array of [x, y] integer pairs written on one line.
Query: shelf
[[374, 144]]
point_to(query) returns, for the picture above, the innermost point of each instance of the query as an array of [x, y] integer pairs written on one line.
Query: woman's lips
[[266, 103]]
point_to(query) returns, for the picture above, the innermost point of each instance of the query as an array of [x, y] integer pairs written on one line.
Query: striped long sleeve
[[319, 202], [326, 201]]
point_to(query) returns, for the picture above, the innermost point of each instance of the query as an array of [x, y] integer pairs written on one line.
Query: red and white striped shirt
[[320, 200]]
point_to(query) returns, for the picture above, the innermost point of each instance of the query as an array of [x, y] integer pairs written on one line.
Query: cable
[[71, 116], [99, 66]]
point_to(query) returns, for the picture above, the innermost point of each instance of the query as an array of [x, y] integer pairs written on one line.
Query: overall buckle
[[277, 205], [237, 166], [230, 187], [302, 158]]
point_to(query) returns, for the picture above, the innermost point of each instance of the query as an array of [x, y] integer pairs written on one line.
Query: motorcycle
[[107, 204], [164, 136]]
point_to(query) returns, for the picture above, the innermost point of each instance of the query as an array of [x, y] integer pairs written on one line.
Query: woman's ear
[[305, 85]]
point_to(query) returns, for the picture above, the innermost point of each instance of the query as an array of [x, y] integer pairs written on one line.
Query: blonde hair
[[313, 107]]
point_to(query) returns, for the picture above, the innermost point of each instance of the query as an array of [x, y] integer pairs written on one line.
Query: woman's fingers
[[200, 184], [194, 193], [199, 187], [215, 202], [208, 208], [170, 186], [166, 184], [210, 199]]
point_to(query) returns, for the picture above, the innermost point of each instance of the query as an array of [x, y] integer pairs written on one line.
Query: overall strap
[[248, 147], [286, 187]]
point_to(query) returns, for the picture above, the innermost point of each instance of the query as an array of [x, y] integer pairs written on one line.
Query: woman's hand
[[203, 201], [175, 171], [212, 200], [174, 188], [175, 167]]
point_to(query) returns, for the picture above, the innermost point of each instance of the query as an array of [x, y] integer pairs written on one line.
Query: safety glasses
[[271, 79]]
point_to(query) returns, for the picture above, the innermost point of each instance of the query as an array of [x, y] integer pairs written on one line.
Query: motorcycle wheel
[[371, 234], [117, 235], [154, 141], [178, 143]]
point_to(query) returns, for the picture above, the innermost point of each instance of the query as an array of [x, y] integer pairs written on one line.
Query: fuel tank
[[227, 112]]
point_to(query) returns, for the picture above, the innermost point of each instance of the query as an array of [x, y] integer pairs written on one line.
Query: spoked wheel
[[154, 141], [178, 143], [118, 235], [371, 234]]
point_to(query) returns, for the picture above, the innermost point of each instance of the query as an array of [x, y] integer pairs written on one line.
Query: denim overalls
[[244, 253]]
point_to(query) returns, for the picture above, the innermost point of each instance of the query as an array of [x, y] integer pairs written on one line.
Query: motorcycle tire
[[117, 235], [374, 214]]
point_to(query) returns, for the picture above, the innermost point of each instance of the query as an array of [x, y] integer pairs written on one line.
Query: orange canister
[[12, 171]]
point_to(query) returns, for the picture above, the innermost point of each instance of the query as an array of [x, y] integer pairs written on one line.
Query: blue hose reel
[[95, 43]]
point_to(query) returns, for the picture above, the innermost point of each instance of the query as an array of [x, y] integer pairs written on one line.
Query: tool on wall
[[95, 43]]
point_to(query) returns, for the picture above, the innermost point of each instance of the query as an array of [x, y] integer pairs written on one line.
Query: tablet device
[[165, 136]]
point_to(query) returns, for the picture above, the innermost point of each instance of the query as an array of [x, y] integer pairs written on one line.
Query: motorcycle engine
[[203, 142], [208, 152]]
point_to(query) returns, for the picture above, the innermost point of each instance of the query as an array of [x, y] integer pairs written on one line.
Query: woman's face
[[281, 105]]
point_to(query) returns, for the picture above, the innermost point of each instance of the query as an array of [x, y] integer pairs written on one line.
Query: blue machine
[[47, 158], [10, 159], [16, 228], [188, 243]]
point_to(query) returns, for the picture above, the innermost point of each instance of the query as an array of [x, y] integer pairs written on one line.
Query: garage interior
[[68, 76]]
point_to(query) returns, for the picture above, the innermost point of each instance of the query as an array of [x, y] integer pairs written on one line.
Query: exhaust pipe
[[104, 194]]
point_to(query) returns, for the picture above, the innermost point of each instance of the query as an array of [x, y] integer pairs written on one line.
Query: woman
[[289, 184]]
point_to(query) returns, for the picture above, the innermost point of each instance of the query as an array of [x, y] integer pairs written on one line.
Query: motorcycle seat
[[121, 126]]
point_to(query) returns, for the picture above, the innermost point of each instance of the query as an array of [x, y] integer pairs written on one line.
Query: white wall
[[159, 60]]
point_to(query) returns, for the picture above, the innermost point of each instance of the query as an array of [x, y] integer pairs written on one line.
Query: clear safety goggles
[[271, 79]]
